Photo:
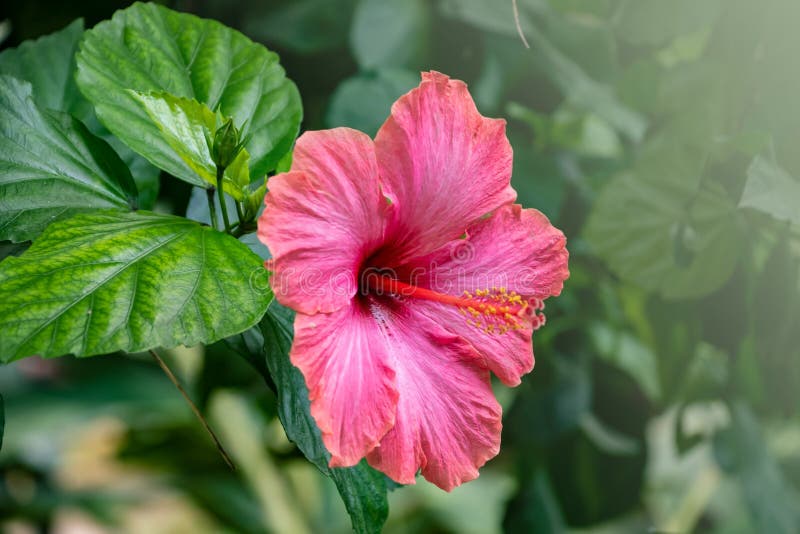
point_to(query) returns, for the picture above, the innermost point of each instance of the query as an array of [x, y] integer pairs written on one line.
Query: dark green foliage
[[659, 135], [362, 488]]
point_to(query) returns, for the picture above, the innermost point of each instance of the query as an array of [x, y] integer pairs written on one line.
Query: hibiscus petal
[[517, 249], [509, 356], [344, 359], [442, 162], [322, 219], [448, 422]]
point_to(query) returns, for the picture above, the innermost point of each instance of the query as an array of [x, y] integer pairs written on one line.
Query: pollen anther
[[494, 311], [498, 310]]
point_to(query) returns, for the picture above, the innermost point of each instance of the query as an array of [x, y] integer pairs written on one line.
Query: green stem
[[239, 212], [212, 209], [222, 203]]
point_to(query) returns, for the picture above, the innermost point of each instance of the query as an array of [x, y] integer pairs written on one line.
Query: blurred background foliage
[[661, 135]]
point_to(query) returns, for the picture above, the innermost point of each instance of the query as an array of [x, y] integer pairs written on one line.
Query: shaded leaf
[[741, 450], [51, 166], [107, 281], [660, 227], [550, 404], [534, 508], [388, 33], [48, 63], [772, 190], [364, 101], [627, 352], [362, 488], [775, 352], [147, 47]]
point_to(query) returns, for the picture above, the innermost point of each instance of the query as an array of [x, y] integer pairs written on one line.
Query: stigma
[[494, 310]]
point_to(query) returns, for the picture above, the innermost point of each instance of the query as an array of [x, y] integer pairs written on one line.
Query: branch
[[194, 409]]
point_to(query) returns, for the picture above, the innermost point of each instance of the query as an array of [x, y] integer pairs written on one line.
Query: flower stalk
[[222, 204], [212, 209]]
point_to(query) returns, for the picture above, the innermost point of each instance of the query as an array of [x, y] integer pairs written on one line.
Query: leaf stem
[[194, 408], [222, 203], [239, 212], [212, 209]]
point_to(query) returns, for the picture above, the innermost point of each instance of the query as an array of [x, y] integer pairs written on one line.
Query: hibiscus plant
[[398, 273]]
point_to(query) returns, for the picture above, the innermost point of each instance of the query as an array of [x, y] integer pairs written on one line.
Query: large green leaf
[[147, 47], [48, 63], [772, 190], [663, 228], [187, 126], [51, 166], [362, 488], [108, 280]]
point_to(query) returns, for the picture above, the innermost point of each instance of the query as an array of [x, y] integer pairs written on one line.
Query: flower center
[[495, 310]]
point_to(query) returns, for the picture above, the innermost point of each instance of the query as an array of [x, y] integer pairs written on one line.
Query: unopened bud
[[226, 145]]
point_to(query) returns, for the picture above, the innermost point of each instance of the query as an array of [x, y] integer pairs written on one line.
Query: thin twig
[[518, 24], [194, 409]]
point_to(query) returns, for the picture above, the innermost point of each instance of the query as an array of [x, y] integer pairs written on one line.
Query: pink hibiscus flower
[[413, 276]]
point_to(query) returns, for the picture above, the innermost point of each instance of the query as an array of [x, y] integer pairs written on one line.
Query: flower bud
[[226, 144]]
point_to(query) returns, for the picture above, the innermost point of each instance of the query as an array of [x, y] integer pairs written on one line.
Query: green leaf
[[627, 352], [48, 63], [661, 227], [535, 507], [186, 126], [108, 280], [147, 47], [550, 405], [776, 351], [742, 451], [51, 166], [146, 176], [583, 133], [389, 33], [364, 101], [362, 488], [772, 190]]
